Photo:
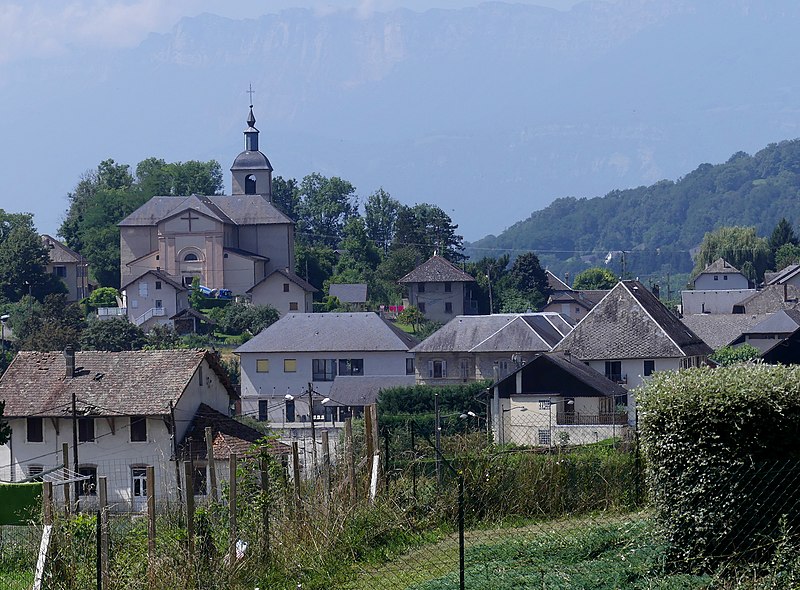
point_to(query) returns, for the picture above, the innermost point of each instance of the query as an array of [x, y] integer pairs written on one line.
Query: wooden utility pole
[[105, 574], [212, 467], [189, 482], [296, 473], [151, 524], [313, 430], [264, 465], [349, 457], [233, 534], [47, 502], [75, 446], [326, 464], [174, 449], [65, 462]]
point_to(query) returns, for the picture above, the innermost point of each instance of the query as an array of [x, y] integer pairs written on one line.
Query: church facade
[[225, 241]]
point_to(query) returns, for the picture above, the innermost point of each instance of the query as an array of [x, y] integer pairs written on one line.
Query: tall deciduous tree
[[738, 246], [113, 335], [286, 196], [23, 259], [380, 216], [325, 206], [428, 229], [594, 278]]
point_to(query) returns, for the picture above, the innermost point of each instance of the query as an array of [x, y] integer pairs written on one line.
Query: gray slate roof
[[140, 382], [232, 209], [720, 329], [785, 321], [719, 266], [498, 333], [351, 390], [555, 283], [329, 332], [290, 276], [770, 299], [586, 299], [783, 275], [161, 276], [631, 323], [349, 292], [437, 270], [60, 252]]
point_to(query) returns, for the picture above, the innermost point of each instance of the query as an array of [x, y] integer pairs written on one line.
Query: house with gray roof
[[350, 395], [152, 298], [470, 348], [225, 241], [718, 330], [720, 275], [769, 299], [352, 295], [69, 266], [285, 291], [313, 349], [574, 304], [630, 334], [775, 337], [133, 410], [786, 276], [440, 290], [556, 399]]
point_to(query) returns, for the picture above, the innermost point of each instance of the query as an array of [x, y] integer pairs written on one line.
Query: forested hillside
[[658, 226]]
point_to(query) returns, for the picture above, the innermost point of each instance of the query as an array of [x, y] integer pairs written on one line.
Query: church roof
[[234, 210], [249, 160]]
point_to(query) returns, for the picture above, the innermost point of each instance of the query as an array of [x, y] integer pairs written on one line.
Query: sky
[[46, 28]]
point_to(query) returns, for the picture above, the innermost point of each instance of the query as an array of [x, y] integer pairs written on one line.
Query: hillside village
[[551, 362]]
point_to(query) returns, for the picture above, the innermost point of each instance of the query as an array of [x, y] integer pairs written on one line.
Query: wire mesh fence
[[441, 508]]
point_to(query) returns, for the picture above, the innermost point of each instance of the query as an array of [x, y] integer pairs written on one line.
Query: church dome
[[249, 160]]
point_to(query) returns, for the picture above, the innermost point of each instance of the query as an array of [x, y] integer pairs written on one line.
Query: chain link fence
[[443, 506]]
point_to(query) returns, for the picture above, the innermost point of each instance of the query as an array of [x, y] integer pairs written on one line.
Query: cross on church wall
[[189, 218]]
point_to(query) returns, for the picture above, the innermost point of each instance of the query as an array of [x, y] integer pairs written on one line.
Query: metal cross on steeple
[[251, 92]]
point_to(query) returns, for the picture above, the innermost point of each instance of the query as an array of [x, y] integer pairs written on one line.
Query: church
[[240, 242]]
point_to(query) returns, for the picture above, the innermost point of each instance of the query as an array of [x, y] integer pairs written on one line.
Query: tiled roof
[[193, 313], [60, 252], [785, 321], [141, 382], [720, 329], [297, 280], [586, 299], [161, 276], [437, 270], [498, 333], [349, 292], [719, 266], [770, 299], [334, 332], [350, 390], [631, 323], [228, 436], [783, 275], [233, 209], [555, 283]]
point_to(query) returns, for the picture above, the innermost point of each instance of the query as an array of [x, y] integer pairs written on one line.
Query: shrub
[[715, 441]]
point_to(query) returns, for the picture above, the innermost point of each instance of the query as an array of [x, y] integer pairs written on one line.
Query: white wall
[[720, 281]]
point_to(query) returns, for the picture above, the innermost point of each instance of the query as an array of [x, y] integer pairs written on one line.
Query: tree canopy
[[595, 278]]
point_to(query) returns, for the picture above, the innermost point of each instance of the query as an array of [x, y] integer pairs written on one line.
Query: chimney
[[786, 292], [69, 357]]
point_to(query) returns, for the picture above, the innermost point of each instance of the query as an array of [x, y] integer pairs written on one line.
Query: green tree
[[113, 334], [411, 316], [23, 259], [315, 263], [787, 254], [51, 325], [286, 196], [731, 355], [237, 318], [782, 234], [357, 252], [594, 278], [428, 229], [162, 337], [380, 216], [103, 297], [737, 245], [325, 206]]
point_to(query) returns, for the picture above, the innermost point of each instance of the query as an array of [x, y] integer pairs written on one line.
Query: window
[[34, 470], [85, 429], [88, 487], [544, 404], [138, 429], [199, 481], [262, 365], [463, 366], [290, 410], [190, 257], [448, 287], [139, 481], [263, 410], [409, 366], [421, 306], [724, 277], [143, 289], [649, 368], [159, 303], [323, 369], [351, 366], [158, 285], [437, 369], [35, 430], [286, 287], [614, 370], [716, 278], [448, 307], [568, 404], [293, 306], [544, 437], [421, 288], [187, 281], [60, 271], [290, 365]]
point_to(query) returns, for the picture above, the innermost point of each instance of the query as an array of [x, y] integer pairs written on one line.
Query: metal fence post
[[461, 531]]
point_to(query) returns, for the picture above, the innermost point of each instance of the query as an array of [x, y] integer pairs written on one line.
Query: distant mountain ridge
[[658, 226], [490, 112]]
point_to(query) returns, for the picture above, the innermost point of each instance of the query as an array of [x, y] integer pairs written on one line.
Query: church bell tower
[[251, 171]]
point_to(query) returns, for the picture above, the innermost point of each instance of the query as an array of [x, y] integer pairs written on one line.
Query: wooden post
[[349, 457], [212, 466], [264, 465], [373, 410], [296, 473], [151, 523], [233, 534], [65, 461], [174, 435], [47, 502], [105, 574], [368, 432], [189, 482], [326, 464]]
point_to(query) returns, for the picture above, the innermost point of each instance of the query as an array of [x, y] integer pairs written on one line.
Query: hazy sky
[[45, 28]]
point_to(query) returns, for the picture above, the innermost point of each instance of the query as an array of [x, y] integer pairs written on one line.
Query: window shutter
[[430, 369], [444, 369]]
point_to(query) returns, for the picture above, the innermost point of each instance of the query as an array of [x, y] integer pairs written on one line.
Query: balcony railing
[[581, 419], [111, 311], [152, 312]]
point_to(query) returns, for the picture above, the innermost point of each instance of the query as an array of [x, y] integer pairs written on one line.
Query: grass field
[[618, 552]]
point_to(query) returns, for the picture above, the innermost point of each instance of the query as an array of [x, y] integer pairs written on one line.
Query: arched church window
[[250, 185], [190, 257]]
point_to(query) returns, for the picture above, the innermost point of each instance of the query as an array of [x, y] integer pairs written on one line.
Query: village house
[[130, 410], [470, 348], [716, 290], [440, 290], [69, 266]]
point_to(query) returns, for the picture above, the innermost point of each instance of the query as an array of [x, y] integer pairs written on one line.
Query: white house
[[127, 405], [720, 275], [312, 349], [153, 298]]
